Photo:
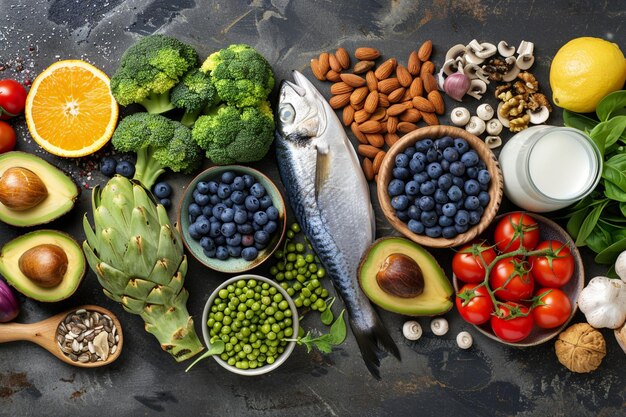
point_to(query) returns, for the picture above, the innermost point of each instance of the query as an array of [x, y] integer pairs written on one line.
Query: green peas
[[321, 273], [291, 247], [271, 336], [299, 247], [225, 330], [273, 271], [301, 278], [277, 297], [295, 227], [227, 320], [290, 235], [291, 257], [275, 328], [279, 315], [309, 258], [270, 311], [280, 276], [288, 331], [223, 293], [306, 292]]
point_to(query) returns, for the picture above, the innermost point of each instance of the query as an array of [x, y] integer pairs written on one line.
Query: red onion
[[456, 85], [9, 307]]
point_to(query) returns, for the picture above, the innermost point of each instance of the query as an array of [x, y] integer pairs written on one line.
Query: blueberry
[[240, 216], [194, 209], [203, 225], [455, 193], [209, 253], [416, 165], [257, 190], [260, 246], [238, 184], [461, 228], [444, 142], [445, 221], [429, 218], [234, 240], [224, 191], [445, 165], [410, 151], [203, 187], [470, 158], [218, 209], [213, 219], [484, 187], [434, 170], [451, 154], [270, 227], [260, 218], [252, 203], [165, 202], [474, 217], [448, 232], [444, 182], [461, 145], [411, 188], [228, 229], [207, 243], [402, 160], [227, 215], [213, 186], [221, 253], [471, 187], [262, 237], [400, 202], [421, 177], [457, 168], [416, 226], [423, 145], [439, 209], [426, 203], [449, 209], [193, 231], [107, 166], [402, 215], [234, 251], [458, 181], [472, 172], [471, 202], [395, 187], [461, 217], [401, 173], [214, 199], [238, 197], [432, 155], [428, 188], [420, 156], [483, 176], [483, 198], [248, 180], [239, 207], [245, 229], [228, 202], [215, 229], [434, 231], [249, 253], [207, 210], [219, 240], [265, 201], [440, 196], [414, 212], [272, 213], [125, 169]]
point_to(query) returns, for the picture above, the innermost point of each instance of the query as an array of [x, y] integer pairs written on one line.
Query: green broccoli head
[[149, 69], [229, 134], [194, 92], [140, 130], [242, 76], [181, 154]]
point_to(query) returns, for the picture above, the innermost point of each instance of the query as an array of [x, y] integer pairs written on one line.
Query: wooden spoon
[[44, 333]]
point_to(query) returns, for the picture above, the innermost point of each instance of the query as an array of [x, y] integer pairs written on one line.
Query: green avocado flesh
[[12, 251], [62, 191], [436, 297]]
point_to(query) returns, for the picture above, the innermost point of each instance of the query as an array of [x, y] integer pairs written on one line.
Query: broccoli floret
[[242, 76], [159, 143], [149, 70], [193, 93], [230, 134]]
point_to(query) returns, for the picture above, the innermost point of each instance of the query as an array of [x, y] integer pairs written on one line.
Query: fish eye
[[287, 113]]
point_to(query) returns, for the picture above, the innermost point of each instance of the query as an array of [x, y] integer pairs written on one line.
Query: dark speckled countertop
[[434, 377]]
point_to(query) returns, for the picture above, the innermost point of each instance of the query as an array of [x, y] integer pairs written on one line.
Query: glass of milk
[[546, 168]]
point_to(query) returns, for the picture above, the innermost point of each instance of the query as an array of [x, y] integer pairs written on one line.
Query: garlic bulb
[[412, 330], [620, 266], [603, 301], [439, 326], [464, 340], [456, 85]]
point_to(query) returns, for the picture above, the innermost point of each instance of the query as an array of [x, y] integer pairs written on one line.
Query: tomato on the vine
[[513, 322], [552, 270], [12, 99], [513, 228], [474, 304], [510, 280], [7, 137], [467, 265], [553, 308]]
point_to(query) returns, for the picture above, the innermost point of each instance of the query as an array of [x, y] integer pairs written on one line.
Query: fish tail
[[371, 338]]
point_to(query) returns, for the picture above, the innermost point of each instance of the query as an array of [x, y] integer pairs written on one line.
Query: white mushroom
[[505, 50], [513, 72], [464, 340], [472, 58], [525, 61], [494, 127], [493, 142], [485, 111], [475, 46], [460, 116], [525, 48], [503, 120], [456, 51], [476, 126], [474, 71], [477, 88], [440, 78], [538, 116], [412, 330], [450, 66], [439, 326], [488, 50]]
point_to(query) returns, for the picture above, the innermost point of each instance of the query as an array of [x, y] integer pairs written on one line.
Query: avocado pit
[[44, 264], [401, 276], [21, 189]]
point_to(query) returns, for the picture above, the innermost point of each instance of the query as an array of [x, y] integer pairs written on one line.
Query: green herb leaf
[[608, 255], [576, 221], [613, 192], [622, 208], [323, 344], [606, 134], [338, 330], [599, 239], [578, 121], [611, 104], [327, 315], [215, 348], [589, 223]]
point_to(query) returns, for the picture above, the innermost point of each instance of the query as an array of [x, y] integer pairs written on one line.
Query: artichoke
[[138, 258]]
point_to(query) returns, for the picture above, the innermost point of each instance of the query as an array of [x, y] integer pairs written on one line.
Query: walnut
[[540, 100], [529, 80], [502, 89], [520, 88], [581, 348], [514, 106], [520, 123]]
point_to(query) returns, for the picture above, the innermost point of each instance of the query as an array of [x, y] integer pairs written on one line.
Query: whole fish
[[330, 198]]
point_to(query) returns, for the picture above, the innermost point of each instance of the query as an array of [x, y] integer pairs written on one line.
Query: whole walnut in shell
[[581, 348]]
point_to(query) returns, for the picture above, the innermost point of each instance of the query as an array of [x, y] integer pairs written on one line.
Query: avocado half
[[436, 296], [12, 251], [62, 191]]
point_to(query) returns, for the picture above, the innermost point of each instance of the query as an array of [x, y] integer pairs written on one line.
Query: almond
[[427, 67], [411, 115], [397, 109], [367, 151], [366, 54], [371, 126], [391, 139], [315, 68], [324, 64], [425, 50], [371, 102], [352, 80], [406, 127], [363, 66], [422, 104], [333, 76], [396, 95], [347, 115], [378, 161], [342, 56], [334, 63], [416, 88], [375, 139], [430, 118], [435, 98], [383, 100], [357, 133], [339, 101], [392, 124], [383, 128], [359, 106], [359, 95], [430, 84], [404, 77], [407, 95], [340, 88], [379, 114], [387, 85], [371, 80], [414, 63], [386, 69], [368, 169], [361, 116]]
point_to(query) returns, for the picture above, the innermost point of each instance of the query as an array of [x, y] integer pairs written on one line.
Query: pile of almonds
[[382, 103]]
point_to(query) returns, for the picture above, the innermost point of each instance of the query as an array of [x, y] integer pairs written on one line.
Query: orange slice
[[70, 110]]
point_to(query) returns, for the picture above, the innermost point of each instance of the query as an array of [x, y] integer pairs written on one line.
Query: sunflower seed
[[84, 358], [81, 311]]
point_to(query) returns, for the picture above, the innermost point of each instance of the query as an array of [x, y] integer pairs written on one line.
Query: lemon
[[585, 70]]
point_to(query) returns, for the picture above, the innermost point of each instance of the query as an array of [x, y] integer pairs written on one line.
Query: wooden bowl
[[435, 132], [548, 230]]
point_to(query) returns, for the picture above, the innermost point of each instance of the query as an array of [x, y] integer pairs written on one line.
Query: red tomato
[[511, 281], [514, 226], [514, 322], [554, 310], [552, 271], [7, 137], [12, 99], [474, 304], [466, 263]]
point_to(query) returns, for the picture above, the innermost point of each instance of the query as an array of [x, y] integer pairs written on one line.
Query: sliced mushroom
[[525, 48], [525, 61], [450, 66], [505, 49], [475, 46], [503, 120], [539, 116], [511, 74], [477, 88], [455, 52], [440, 78], [472, 58], [474, 71], [488, 50], [493, 142]]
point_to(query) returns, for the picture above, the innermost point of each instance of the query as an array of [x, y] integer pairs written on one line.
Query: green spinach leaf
[[599, 239], [589, 223], [608, 255], [606, 134], [578, 121], [610, 104]]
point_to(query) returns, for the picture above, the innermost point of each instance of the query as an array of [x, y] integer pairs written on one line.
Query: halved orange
[[70, 110]]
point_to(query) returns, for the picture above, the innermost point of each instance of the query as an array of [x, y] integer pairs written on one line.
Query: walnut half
[[581, 348]]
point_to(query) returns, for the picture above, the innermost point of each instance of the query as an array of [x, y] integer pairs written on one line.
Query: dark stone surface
[[434, 377]]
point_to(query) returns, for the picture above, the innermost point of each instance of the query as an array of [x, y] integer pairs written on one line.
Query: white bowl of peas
[[252, 315]]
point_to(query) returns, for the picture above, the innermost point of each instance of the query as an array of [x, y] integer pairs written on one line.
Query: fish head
[[301, 113]]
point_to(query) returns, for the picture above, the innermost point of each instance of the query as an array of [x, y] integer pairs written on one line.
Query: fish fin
[[370, 341], [322, 166]]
